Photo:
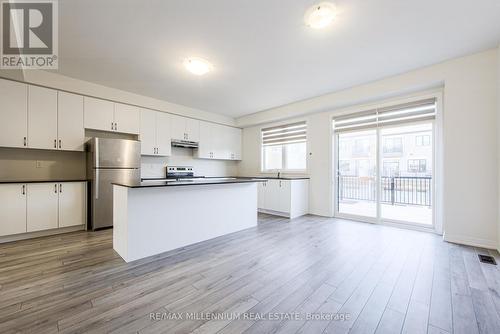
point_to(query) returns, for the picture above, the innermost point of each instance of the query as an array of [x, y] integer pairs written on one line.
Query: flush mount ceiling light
[[197, 66], [320, 15]]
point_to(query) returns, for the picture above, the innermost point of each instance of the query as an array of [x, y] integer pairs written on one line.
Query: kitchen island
[[153, 217]]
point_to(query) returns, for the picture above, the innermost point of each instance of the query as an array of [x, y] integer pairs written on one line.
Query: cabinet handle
[[55, 188], [60, 143], [24, 141], [24, 190], [116, 126], [280, 184], [55, 143], [112, 126]]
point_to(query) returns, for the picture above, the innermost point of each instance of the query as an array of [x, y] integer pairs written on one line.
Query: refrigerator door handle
[[96, 183]]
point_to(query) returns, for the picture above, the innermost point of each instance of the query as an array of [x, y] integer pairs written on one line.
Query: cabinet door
[[148, 132], [192, 129], [42, 118], [235, 143], [221, 142], [271, 200], [41, 213], [98, 114], [205, 146], [72, 200], [163, 137], [261, 195], [127, 118], [13, 114], [12, 209], [283, 198], [178, 127], [70, 130]]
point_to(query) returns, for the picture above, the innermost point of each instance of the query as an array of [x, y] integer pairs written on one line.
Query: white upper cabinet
[[127, 118], [12, 209], [219, 142], [42, 118], [205, 147], [70, 131], [99, 114], [148, 132], [184, 128], [42, 206], [109, 116], [163, 134], [155, 133], [193, 129], [235, 143], [13, 114], [72, 200]]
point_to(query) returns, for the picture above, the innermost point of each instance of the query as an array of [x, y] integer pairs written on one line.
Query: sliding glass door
[[384, 165], [357, 173]]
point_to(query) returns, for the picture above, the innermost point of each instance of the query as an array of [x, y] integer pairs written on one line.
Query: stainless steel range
[[180, 172]]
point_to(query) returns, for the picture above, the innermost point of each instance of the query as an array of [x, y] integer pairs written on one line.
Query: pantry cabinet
[[284, 197], [155, 133]]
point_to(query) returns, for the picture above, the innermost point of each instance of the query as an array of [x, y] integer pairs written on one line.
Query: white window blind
[[413, 111], [285, 134]]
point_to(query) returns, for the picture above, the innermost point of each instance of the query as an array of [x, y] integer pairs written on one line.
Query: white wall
[[155, 166], [470, 146], [498, 138], [57, 81]]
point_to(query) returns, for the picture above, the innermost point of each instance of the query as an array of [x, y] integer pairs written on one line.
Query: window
[[390, 168], [423, 140], [393, 145], [284, 147], [361, 146], [417, 165]]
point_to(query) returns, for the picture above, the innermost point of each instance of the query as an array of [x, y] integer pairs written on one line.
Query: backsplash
[[37, 165], [152, 167]]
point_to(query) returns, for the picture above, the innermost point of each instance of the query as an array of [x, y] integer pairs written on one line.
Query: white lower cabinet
[[12, 209], [41, 213], [72, 200], [289, 198], [37, 207]]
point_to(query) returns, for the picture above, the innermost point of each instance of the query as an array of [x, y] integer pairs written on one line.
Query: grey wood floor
[[376, 279]]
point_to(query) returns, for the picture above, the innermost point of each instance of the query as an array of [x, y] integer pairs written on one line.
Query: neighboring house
[[403, 154]]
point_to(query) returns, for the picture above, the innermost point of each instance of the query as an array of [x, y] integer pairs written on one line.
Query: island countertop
[[191, 182]]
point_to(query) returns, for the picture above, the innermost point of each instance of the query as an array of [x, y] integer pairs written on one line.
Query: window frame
[[263, 170]]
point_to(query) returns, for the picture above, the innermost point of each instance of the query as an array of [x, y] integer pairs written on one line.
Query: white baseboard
[[31, 235], [470, 241]]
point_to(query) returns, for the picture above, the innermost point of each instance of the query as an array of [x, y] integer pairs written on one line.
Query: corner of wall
[[498, 143]]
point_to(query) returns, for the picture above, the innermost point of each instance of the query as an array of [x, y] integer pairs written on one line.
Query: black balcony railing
[[412, 190]]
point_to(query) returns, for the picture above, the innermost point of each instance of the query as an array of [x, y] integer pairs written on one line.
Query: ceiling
[[263, 54]]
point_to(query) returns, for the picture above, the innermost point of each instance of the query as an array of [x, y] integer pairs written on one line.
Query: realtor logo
[[29, 34]]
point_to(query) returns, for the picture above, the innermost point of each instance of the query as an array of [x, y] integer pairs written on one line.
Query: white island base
[[152, 220]]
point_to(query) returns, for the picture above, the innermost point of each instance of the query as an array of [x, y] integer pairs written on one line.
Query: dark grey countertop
[[40, 181], [201, 181], [283, 177]]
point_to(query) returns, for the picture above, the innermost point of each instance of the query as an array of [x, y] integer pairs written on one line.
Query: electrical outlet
[[38, 164]]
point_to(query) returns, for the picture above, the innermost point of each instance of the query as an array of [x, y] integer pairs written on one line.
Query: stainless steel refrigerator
[[108, 161]]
